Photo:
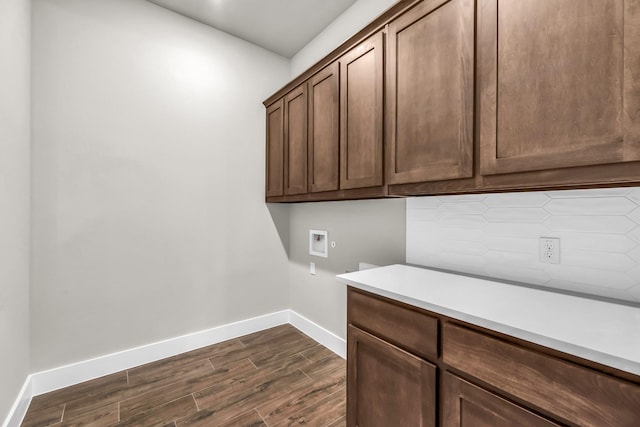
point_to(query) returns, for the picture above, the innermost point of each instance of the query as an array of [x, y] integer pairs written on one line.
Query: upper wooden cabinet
[[464, 96], [559, 83], [324, 130], [275, 149], [361, 127], [429, 86], [295, 141]]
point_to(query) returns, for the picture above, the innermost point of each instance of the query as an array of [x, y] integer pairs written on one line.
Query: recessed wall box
[[318, 243]]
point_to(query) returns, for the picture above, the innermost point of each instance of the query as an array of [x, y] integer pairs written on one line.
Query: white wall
[[369, 230], [352, 20], [149, 216], [15, 17], [497, 235]]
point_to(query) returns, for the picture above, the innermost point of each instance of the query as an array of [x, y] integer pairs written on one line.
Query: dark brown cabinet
[[467, 405], [565, 390], [485, 379], [429, 84], [559, 86], [361, 127], [324, 130], [275, 149], [295, 141], [466, 96], [286, 167], [332, 136], [388, 386]]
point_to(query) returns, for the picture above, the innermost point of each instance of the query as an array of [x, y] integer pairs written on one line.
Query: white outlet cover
[[549, 250]]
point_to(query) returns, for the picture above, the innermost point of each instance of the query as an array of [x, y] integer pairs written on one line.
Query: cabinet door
[[324, 130], [466, 405], [275, 149], [295, 141], [361, 84], [430, 92], [558, 83], [387, 386]]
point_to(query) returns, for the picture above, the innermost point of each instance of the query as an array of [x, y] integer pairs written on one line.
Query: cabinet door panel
[[387, 386], [324, 130], [275, 149], [559, 84], [568, 391], [361, 115], [430, 92], [295, 138], [466, 405]]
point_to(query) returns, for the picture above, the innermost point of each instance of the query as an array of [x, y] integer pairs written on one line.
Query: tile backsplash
[[496, 235]]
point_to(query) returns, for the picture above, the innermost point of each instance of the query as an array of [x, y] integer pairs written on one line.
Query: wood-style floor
[[277, 377]]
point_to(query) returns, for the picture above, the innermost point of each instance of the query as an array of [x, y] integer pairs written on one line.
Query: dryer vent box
[[318, 243]]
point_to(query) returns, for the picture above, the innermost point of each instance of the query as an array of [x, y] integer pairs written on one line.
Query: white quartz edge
[[603, 332]]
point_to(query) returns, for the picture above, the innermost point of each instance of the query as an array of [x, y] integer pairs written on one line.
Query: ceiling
[[281, 26]]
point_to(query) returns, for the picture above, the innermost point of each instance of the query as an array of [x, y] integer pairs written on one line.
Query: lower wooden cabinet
[[387, 385], [473, 378], [467, 405]]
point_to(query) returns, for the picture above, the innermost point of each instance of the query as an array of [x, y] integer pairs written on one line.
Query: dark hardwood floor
[[277, 377]]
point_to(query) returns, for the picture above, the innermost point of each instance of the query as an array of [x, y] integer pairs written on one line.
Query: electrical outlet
[[549, 250], [312, 268]]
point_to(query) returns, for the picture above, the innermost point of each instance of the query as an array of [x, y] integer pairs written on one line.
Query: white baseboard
[[20, 406], [64, 376], [319, 334]]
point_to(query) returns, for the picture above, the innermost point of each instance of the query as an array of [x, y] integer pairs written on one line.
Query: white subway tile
[[462, 221], [497, 235], [591, 206], [634, 194], [595, 192], [517, 200], [634, 274], [461, 247], [635, 234], [461, 262], [506, 229], [596, 242], [590, 224], [424, 259], [513, 244], [422, 214], [635, 215], [516, 215], [518, 274], [635, 254], [434, 232], [604, 260], [621, 294], [448, 208], [513, 259], [590, 276]]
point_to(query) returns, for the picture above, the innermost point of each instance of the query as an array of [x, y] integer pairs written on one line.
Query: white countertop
[[602, 332]]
